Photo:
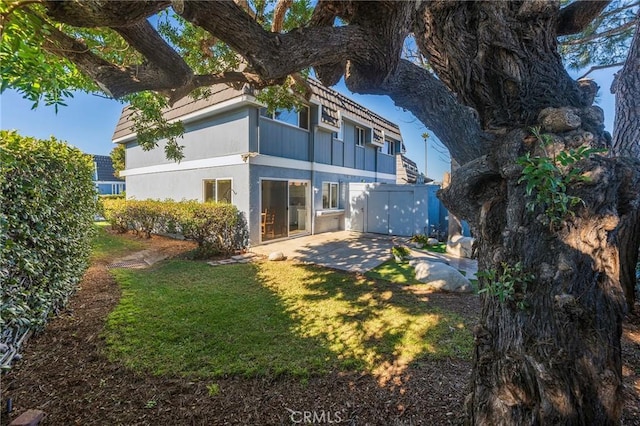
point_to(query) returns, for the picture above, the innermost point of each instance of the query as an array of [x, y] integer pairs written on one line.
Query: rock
[[440, 276], [28, 418], [432, 242], [558, 120], [460, 246], [276, 255]]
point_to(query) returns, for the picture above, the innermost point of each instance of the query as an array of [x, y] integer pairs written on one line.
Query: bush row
[[47, 200], [218, 228]]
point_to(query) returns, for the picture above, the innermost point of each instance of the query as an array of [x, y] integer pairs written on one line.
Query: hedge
[[218, 228], [48, 204]]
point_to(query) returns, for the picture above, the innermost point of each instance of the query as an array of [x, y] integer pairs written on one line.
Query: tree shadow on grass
[[370, 325]]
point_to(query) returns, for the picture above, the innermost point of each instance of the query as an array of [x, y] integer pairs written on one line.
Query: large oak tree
[[545, 209]]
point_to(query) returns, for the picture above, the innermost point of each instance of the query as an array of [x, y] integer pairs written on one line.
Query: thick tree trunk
[[548, 343], [549, 352], [626, 143]]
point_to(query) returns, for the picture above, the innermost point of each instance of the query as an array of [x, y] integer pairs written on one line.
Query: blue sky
[[88, 121]]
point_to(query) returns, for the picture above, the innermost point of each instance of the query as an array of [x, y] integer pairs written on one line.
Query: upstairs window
[[297, 118], [388, 148], [218, 190], [329, 195], [360, 136]]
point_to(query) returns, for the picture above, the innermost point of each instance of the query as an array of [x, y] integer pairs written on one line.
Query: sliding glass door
[[284, 209]]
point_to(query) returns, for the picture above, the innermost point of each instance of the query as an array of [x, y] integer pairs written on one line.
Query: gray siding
[[337, 156], [282, 140], [386, 163], [322, 147], [224, 134], [188, 184], [370, 154], [348, 132], [254, 129], [350, 153], [359, 163]]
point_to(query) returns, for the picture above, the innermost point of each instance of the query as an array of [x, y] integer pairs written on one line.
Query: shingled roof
[[104, 169], [332, 102]]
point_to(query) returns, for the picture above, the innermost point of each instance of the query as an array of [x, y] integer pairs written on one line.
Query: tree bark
[[548, 348], [626, 143]]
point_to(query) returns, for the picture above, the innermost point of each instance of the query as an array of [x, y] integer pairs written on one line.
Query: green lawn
[[396, 272], [272, 318], [106, 246]]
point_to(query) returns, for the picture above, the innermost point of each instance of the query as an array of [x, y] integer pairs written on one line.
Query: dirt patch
[[65, 373]]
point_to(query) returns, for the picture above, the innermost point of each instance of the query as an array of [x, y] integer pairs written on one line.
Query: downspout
[[312, 155]]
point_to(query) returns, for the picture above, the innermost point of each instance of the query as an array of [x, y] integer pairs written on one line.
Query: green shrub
[[144, 217], [48, 204], [120, 196], [218, 228], [113, 210]]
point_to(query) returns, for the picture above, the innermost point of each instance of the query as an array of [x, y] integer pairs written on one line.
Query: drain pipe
[[312, 203]]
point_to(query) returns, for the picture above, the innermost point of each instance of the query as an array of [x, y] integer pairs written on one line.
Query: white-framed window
[[388, 148], [330, 195], [297, 118], [220, 190], [117, 188], [360, 136]]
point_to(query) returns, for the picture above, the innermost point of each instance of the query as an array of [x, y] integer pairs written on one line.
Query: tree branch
[[575, 17], [608, 33], [279, 13], [324, 15], [415, 89], [599, 67], [274, 56], [162, 59], [100, 13], [13, 7], [466, 195], [120, 81]]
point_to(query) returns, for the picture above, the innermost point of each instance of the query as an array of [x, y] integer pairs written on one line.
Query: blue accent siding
[[349, 155], [322, 152], [359, 158], [285, 141], [370, 159], [386, 163], [337, 158]]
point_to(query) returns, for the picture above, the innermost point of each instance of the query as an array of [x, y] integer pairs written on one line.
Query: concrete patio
[[352, 251]]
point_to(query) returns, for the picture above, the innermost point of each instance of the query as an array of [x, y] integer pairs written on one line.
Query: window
[[298, 118], [218, 190], [329, 195], [360, 136], [388, 148], [117, 188]]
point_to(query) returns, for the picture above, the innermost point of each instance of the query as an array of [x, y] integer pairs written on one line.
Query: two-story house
[[288, 171]]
